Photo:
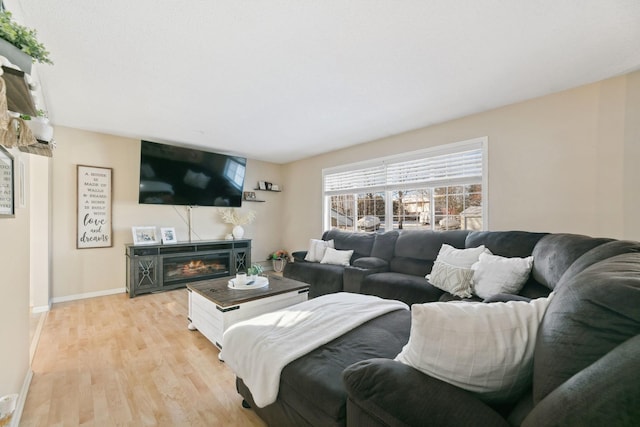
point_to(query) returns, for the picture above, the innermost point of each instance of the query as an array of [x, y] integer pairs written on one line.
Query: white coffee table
[[214, 307]]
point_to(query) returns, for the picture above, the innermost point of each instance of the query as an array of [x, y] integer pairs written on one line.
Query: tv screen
[[172, 175]]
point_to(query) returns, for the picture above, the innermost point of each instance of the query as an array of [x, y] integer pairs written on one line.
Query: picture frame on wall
[[7, 177], [93, 203], [262, 185], [250, 195], [168, 235], [145, 235]]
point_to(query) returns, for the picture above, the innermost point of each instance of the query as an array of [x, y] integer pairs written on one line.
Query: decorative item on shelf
[[144, 235], [254, 271], [24, 39], [39, 126], [268, 186], [233, 216], [279, 259], [168, 235], [250, 196]]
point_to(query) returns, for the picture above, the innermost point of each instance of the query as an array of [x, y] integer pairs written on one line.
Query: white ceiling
[[281, 80]]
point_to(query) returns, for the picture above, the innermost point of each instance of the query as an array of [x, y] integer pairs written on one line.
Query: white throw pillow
[[483, 348], [333, 256], [460, 257], [317, 249], [451, 270], [493, 274], [455, 280]]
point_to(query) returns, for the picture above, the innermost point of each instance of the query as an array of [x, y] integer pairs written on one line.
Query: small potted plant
[[39, 126], [279, 259], [254, 271], [19, 44]]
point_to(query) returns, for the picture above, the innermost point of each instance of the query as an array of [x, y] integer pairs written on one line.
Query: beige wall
[[556, 163], [14, 294], [632, 158], [90, 271]]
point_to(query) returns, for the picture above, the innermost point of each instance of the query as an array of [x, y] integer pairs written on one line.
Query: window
[[441, 188]]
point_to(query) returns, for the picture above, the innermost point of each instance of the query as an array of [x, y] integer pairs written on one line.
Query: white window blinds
[[446, 165]]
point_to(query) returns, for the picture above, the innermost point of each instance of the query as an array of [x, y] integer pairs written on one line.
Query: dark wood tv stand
[[156, 267]]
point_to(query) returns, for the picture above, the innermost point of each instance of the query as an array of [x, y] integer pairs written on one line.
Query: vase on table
[[278, 264], [237, 232]]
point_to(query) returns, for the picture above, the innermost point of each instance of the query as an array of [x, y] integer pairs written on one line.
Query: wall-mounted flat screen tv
[[173, 175]]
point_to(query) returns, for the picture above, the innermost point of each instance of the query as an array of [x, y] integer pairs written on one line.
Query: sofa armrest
[[299, 255], [362, 267], [605, 393], [384, 392]]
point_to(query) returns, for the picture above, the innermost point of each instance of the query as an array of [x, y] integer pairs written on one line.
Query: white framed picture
[[145, 235], [168, 235]]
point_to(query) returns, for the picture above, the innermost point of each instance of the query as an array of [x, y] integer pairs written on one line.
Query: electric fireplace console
[[155, 268]]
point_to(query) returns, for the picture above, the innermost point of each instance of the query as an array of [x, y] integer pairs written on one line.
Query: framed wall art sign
[[94, 207], [7, 193]]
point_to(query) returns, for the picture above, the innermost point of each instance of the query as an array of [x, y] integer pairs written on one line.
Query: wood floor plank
[[113, 360]]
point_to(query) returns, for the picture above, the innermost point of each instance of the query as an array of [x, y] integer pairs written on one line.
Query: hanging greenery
[[23, 38]]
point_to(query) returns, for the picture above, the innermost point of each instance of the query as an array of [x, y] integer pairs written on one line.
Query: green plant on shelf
[[23, 38]]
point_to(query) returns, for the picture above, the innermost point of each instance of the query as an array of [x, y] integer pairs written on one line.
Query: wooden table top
[[218, 291]]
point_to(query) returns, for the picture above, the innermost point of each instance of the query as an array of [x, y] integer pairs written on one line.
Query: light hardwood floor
[[116, 361]]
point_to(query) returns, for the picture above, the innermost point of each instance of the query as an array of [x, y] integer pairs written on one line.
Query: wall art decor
[[7, 193], [94, 207]]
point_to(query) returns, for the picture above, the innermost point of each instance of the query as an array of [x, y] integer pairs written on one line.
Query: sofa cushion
[[312, 384], [371, 263], [555, 253], [451, 270], [361, 243], [483, 348], [494, 274], [317, 248], [452, 279], [336, 257], [407, 288], [505, 243], [322, 278], [592, 313], [384, 245], [597, 254], [425, 244]]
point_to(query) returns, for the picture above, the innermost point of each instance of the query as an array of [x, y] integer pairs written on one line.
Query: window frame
[[480, 143]]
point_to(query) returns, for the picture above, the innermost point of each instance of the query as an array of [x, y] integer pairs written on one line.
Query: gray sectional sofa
[[394, 264], [586, 360]]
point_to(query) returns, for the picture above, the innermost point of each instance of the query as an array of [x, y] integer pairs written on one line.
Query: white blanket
[[258, 349]]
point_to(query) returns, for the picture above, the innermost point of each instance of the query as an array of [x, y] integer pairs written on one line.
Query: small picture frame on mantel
[[145, 235], [168, 235]]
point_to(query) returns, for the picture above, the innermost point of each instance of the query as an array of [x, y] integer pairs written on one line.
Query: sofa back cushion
[[384, 245], [592, 312], [416, 250], [555, 253], [505, 243], [360, 243]]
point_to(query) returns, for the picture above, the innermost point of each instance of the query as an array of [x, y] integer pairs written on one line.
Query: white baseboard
[[41, 308], [89, 295], [22, 398]]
